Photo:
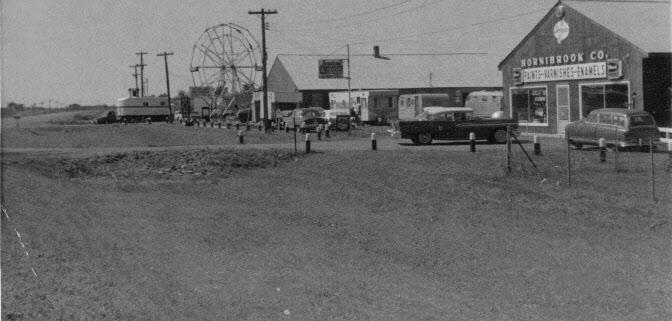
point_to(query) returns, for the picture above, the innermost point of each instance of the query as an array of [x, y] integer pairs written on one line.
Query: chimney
[[376, 53]]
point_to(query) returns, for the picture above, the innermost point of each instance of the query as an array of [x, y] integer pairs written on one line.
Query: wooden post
[[653, 178], [374, 143], [569, 163], [508, 150], [472, 142], [307, 143], [603, 150]]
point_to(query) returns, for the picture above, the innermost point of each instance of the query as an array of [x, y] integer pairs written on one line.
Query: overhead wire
[[350, 16], [346, 25], [391, 39]]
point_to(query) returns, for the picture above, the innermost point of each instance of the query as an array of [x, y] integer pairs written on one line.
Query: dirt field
[[165, 222]]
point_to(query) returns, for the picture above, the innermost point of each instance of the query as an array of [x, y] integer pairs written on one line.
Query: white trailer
[[372, 106], [411, 105]]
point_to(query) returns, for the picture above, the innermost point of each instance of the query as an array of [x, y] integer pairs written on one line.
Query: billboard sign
[[331, 68]]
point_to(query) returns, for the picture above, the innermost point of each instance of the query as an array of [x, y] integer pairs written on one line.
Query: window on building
[[596, 96], [529, 105]]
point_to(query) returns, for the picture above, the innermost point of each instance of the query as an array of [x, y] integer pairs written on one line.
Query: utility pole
[[349, 93], [264, 56], [165, 61], [142, 74], [135, 75]]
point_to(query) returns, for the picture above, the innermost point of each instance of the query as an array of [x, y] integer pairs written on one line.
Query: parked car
[[330, 115], [305, 119], [107, 117], [620, 127], [280, 115], [454, 123]]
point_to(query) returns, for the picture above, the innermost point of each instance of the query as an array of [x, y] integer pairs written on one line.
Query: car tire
[[575, 144], [424, 138], [498, 136]]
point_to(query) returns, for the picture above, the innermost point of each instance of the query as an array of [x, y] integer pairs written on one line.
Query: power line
[[331, 28], [350, 16], [436, 31]]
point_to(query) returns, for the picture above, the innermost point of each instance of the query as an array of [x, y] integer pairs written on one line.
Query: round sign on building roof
[[561, 30]]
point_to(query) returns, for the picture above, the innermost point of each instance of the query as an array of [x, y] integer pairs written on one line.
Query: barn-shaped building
[[585, 55], [294, 80]]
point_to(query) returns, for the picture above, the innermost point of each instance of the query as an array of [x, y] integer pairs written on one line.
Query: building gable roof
[[646, 25], [400, 71]]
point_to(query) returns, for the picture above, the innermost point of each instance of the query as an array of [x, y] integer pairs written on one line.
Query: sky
[[56, 53]]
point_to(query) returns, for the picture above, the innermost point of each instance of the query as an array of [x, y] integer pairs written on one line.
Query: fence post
[[616, 158], [472, 142], [569, 163], [240, 137], [307, 143], [603, 150], [508, 150], [669, 155], [374, 143], [653, 178], [537, 146]]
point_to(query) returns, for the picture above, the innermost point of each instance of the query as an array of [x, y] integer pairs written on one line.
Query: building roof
[[400, 71], [645, 24]]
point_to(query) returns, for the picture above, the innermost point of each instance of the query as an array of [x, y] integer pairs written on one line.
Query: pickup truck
[[454, 123]]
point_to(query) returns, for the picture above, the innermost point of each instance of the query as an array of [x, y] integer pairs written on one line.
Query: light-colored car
[[619, 127]]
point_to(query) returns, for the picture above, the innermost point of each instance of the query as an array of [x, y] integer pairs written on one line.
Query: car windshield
[[641, 120]]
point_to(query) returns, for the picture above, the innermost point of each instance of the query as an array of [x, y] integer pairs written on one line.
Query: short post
[[616, 159], [537, 145], [669, 155], [149, 120], [326, 130], [508, 150], [319, 132], [569, 163], [286, 129], [472, 142], [247, 126], [374, 143], [219, 124], [653, 182], [603, 150], [307, 143], [212, 124], [228, 125], [240, 137]]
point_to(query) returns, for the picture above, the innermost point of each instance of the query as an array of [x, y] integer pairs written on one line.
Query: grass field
[[164, 222]]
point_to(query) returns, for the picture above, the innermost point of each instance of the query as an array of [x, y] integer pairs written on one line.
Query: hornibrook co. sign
[[564, 67]]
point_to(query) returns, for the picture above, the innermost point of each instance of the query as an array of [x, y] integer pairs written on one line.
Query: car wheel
[[425, 138], [498, 136], [575, 144]]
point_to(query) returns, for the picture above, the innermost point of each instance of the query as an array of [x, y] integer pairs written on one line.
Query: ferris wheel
[[224, 63]]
